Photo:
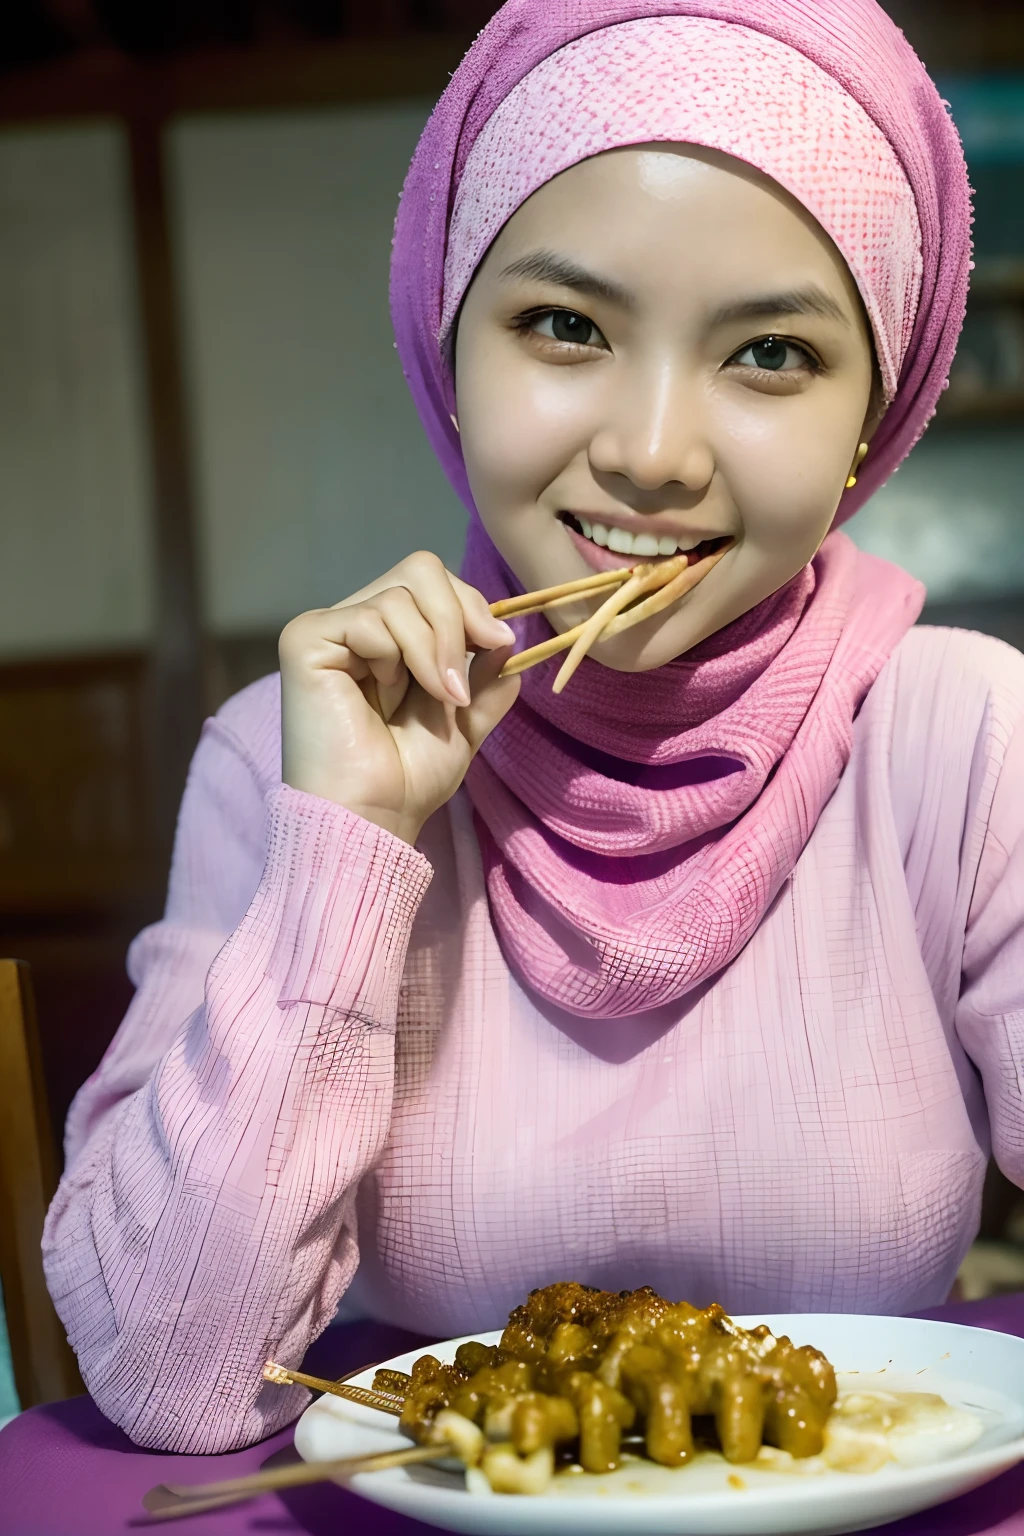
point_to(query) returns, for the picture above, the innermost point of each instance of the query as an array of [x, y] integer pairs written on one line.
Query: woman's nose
[[654, 432]]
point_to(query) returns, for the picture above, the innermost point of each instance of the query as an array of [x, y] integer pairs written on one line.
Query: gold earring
[[861, 455]]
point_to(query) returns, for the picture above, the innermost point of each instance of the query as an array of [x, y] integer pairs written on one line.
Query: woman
[[708, 975]]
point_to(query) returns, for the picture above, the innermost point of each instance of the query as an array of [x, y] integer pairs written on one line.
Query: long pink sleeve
[[206, 1218], [990, 1015]]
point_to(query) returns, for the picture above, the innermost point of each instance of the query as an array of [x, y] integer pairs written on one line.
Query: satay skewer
[[385, 1402], [534, 602], [664, 595], [170, 1501], [670, 580], [643, 579], [628, 580]]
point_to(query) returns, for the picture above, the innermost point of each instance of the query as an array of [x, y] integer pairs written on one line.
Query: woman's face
[[662, 342]]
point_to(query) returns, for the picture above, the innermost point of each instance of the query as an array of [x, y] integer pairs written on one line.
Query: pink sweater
[[328, 1065]]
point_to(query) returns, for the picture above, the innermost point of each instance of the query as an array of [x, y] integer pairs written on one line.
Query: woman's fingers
[[375, 640], [483, 630], [402, 646], [492, 696], [429, 586], [458, 614], [433, 617], [458, 611], [391, 635]]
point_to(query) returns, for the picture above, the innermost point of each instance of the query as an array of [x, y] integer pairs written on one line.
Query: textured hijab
[[635, 828]]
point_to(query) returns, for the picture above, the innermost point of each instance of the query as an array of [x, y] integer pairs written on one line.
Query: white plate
[[972, 1368]]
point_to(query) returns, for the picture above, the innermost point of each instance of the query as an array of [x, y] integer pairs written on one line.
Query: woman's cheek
[[787, 531], [786, 501], [516, 443]]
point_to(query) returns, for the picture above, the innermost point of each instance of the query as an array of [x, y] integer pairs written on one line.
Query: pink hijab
[[635, 828]]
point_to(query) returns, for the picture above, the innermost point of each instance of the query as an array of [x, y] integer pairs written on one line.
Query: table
[[66, 1471]]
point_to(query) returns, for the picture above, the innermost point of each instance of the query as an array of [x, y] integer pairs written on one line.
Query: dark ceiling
[[33, 31], [37, 31]]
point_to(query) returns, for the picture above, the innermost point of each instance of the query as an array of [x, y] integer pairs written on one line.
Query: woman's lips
[[602, 559], [597, 558]]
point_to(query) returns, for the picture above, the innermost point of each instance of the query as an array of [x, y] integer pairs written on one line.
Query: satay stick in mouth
[[649, 588], [627, 580], [565, 592]]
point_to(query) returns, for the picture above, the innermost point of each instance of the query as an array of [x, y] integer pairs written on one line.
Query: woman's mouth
[[606, 548]]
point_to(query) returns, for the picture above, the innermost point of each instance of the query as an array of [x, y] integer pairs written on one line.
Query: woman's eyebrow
[[796, 301], [547, 267]]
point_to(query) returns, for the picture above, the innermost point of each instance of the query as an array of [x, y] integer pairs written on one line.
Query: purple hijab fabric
[[688, 80], [852, 40], [635, 828]]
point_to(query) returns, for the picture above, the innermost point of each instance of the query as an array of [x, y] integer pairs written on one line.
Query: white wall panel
[[953, 515], [74, 493], [313, 473]]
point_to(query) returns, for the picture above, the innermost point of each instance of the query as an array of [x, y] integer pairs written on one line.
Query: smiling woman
[[716, 986]]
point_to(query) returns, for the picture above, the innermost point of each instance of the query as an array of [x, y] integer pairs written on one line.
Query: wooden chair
[[44, 1365]]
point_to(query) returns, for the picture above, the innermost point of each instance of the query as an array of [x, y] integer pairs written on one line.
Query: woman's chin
[[634, 652]]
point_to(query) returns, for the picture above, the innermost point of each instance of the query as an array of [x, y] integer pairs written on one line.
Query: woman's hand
[[376, 711]]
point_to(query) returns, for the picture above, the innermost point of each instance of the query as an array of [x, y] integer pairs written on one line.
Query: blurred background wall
[[203, 424], [204, 429]]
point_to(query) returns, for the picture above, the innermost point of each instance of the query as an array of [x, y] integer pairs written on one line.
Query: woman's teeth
[[622, 542]]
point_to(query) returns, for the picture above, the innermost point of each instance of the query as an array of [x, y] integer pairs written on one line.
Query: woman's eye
[[772, 354], [567, 326]]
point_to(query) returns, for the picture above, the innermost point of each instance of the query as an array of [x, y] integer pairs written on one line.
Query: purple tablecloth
[[66, 1471]]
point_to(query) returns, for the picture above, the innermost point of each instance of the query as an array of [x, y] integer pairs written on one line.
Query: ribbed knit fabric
[[807, 1131], [635, 829]]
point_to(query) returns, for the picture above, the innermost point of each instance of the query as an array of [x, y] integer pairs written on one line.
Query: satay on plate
[[594, 1412], [578, 1370]]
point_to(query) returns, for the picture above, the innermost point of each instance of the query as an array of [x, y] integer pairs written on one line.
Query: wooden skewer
[[671, 583], [385, 1402], [169, 1500], [537, 653], [533, 602], [666, 595], [642, 581], [530, 658]]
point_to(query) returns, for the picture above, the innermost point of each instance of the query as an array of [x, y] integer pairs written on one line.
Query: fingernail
[[457, 685], [508, 634]]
